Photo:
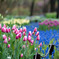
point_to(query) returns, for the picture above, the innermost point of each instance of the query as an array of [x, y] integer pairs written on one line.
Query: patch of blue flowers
[[45, 37]]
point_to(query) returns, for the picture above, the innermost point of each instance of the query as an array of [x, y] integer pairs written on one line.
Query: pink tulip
[[4, 25], [41, 44], [4, 37], [17, 36], [5, 41], [35, 29], [0, 26], [25, 38], [33, 32], [38, 37], [20, 35], [8, 38], [31, 44], [9, 29], [35, 49], [23, 46], [3, 29], [24, 33], [20, 30], [21, 55], [32, 41], [24, 29], [17, 31], [29, 38], [14, 27], [8, 45], [30, 34], [37, 33]]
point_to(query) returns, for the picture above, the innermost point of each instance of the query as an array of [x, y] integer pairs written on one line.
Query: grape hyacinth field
[[31, 38]]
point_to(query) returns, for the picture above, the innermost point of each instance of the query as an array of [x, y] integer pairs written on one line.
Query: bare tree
[[32, 7], [58, 10], [52, 3]]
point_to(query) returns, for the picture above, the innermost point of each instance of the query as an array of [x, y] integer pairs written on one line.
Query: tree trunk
[[32, 7], [52, 2], [58, 10]]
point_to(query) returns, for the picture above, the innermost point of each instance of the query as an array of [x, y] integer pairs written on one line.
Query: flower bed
[[17, 44], [47, 25]]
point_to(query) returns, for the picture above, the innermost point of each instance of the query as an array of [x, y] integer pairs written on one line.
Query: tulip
[[24, 29], [29, 38], [4, 37], [33, 33], [20, 35], [17, 36], [8, 45], [8, 38], [0, 26], [25, 38], [14, 27], [4, 25], [38, 37], [35, 49], [21, 55], [37, 33], [24, 33], [30, 34], [3, 29], [23, 46], [32, 41], [17, 32], [41, 44], [9, 29], [20, 30], [35, 29], [5, 41]]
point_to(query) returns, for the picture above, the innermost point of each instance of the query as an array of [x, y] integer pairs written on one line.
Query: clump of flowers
[[49, 25], [17, 43]]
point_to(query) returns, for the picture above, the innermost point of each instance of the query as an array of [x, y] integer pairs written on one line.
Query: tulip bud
[[38, 37], [35, 29], [4, 25], [5, 41], [35, 49], [8, 45], [30, 34], [24, 33], [25, 38], [29, 38], [37, 33], [4, 37], [3, 29], [0, 26], [32, 41], [8, 38], [14, 27], [41, 44], [24, 29], [20, 30], [23, 46], [21, 55]]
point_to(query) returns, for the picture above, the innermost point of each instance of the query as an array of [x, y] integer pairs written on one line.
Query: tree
[[32, 7], [58, 10], [52, 3]]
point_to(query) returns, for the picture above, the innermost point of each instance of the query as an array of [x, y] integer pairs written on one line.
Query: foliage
[[51, 15], [1, 17]]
